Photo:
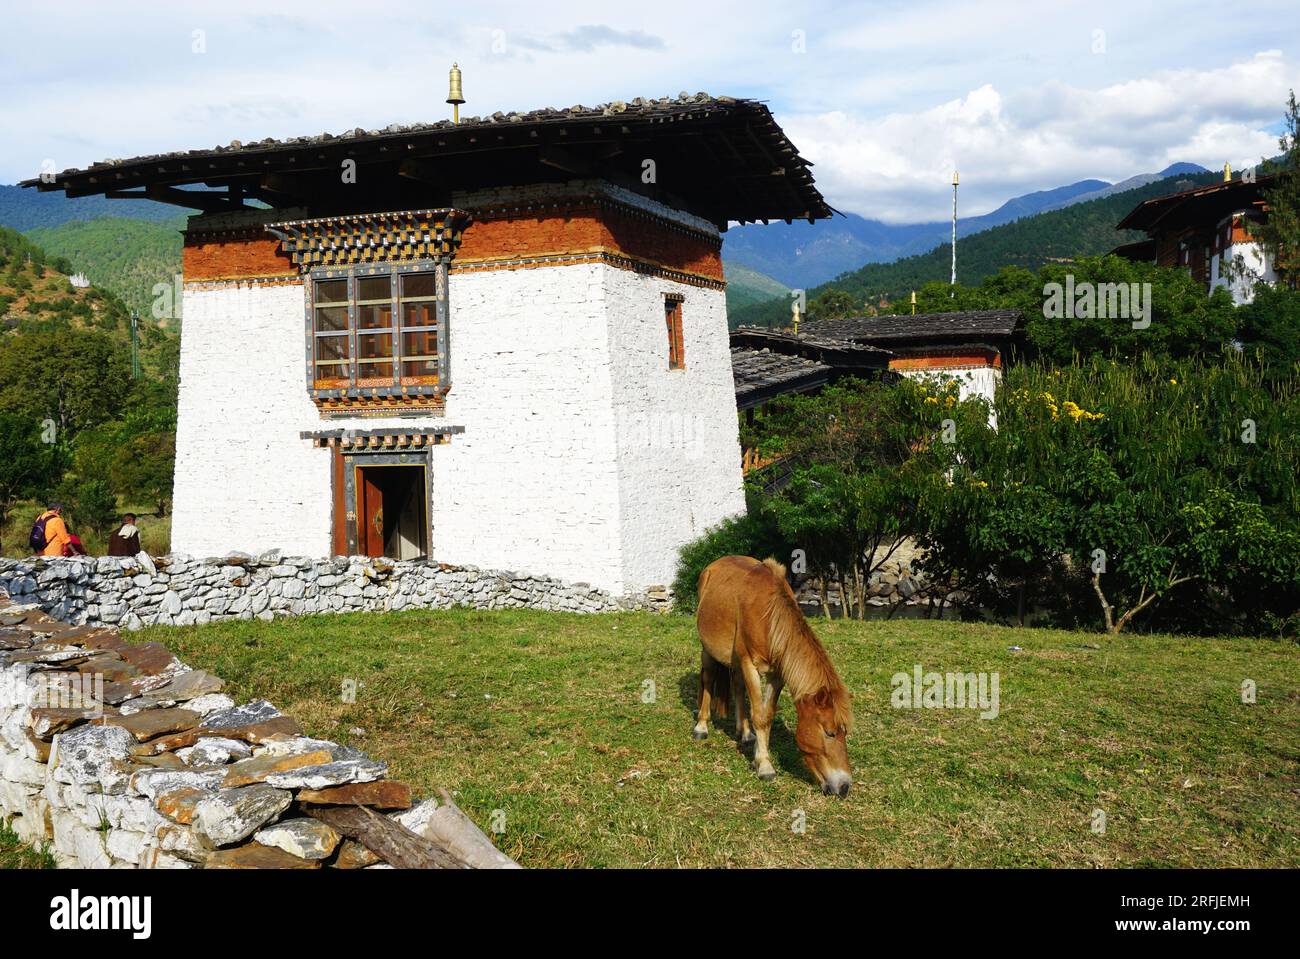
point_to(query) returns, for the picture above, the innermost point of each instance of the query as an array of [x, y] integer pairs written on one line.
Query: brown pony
[[751, 627]]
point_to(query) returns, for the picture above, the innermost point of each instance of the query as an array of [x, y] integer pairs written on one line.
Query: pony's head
[[824, 723]]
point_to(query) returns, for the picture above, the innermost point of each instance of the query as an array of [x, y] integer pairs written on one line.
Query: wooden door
[[370, 513]]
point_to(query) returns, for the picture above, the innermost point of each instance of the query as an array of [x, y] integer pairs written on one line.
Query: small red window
[[676, 349]]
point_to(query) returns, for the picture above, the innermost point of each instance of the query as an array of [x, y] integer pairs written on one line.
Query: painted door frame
[[346, 473]]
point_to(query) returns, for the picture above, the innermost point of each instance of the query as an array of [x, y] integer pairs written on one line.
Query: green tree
[[143, 468], [28, 466], [852, 467], [1280, 233], [1270, 326], [76, 378], [90, 503], [1150, 479], [833, 305]]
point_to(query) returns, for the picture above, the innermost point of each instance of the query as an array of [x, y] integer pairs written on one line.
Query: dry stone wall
[[120, 755], [181, 590]]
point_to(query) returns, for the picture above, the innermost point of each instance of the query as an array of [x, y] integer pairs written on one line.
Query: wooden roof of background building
[[923, 329], [722, 158], [1202, 205], [766, 364]]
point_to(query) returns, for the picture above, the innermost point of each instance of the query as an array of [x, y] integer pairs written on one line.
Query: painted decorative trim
[[619, 260], [337, 241]]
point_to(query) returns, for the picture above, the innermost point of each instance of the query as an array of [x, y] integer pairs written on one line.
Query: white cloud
[[888, 96], [898, 167]]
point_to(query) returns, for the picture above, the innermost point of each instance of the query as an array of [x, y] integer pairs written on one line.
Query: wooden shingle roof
[[722, 158], [923, 328]]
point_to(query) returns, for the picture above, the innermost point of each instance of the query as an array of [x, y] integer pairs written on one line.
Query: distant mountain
[[746, 287], [27, 209], [802, 254], [1081, 229], [1133, 182]]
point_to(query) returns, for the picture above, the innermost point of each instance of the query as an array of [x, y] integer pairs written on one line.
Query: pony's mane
[[805, 667]]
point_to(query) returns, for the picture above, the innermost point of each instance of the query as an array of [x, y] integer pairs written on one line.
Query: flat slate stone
[[216, 751], [235, 814], [257, 856], [304, 838], [114, 670], [51, 656], [353, 855], [105, 638], [337, 773], [155, 722], [293, 745], [150, 658], [87, 752], [48, 626], [384, 794], [258, 711], [46, 723], [178, 804], [155, 782], [14, 639], [190, 684], [249, 771]]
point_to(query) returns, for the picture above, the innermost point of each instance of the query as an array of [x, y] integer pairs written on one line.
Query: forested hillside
[[26, 209], [1085, 229], [128, 257], [75, 423]]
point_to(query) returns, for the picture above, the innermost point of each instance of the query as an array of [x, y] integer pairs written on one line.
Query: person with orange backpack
[[49, 533]]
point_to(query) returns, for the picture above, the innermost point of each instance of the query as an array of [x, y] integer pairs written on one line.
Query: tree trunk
[[387, 839], [456, 833]]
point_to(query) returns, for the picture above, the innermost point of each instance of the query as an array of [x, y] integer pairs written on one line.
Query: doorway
[[392, 511]]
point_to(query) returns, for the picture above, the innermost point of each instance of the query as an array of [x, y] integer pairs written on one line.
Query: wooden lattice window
[[378, 330], [676, 345]]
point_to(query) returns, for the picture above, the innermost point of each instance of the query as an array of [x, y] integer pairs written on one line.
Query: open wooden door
[[370, 513]]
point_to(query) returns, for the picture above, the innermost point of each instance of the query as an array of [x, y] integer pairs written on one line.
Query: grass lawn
[[540, 715], [15, 855]]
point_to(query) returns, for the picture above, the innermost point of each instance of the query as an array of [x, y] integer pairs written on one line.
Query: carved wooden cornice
[[372, 237]]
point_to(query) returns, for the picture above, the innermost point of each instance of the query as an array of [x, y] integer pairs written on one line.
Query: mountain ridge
[[803, 255]]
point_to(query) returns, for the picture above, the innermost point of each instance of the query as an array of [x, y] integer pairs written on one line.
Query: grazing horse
[[751, 627]]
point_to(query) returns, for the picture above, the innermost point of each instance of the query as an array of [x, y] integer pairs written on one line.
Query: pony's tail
[[720, 691]]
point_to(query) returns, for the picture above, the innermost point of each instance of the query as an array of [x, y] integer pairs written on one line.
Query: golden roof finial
[[454, 95]]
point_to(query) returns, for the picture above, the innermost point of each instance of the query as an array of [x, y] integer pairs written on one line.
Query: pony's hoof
[[748, 739], [700, 733], [768, 776]]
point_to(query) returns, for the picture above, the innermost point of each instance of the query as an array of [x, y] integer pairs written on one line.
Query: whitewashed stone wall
[[244, 479], [181, 590], [1240, 277], [557, 372], [981, 381], [678, 436]]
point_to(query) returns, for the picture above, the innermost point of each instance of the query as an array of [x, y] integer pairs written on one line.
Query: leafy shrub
[[746, 535]]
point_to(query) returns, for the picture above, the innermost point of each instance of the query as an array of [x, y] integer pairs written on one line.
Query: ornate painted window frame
[[394, 270], [355, 246]]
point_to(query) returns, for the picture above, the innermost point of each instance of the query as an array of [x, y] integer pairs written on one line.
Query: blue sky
[[885, 98]]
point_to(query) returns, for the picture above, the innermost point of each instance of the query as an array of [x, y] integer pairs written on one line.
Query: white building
[[1207, 230], [502, 342]]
